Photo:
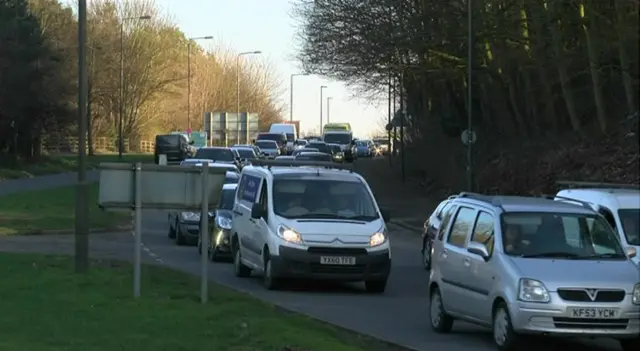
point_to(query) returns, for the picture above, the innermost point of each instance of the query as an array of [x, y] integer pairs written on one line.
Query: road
[[400, 315]]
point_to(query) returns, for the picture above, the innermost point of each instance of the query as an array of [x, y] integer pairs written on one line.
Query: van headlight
[[635, 297], [289, 235], [190, 216], [377, 239], [223, 222], [531, 290]]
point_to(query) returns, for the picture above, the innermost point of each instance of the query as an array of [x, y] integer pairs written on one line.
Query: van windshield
[[559, 235], [291, 137], [629, 219], [277, 137], [337, 138], [318, 198]]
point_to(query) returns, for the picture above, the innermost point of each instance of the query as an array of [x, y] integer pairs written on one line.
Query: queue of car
[[563, 265]]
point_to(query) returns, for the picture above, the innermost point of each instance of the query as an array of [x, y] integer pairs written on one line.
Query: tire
[[269, 281], [240, 269], [199, 246], [375, 286], [172, 231], [441, 322], [503, 335], [630, 344], [213, 253], [180, 239], [426, 255]]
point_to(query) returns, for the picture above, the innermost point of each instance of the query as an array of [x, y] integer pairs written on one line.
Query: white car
[[619, 204], [269, 148], [295, 219]]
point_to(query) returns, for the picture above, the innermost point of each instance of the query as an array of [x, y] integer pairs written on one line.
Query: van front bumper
[[305, 264]]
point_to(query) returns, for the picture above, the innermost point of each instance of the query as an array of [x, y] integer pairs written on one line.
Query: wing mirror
[[256, 211], [478, 249], [631, 252]]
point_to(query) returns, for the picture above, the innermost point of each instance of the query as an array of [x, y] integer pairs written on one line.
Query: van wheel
[[375, 286], [240, 269], [426, 255], [172, 231], [503, 335], [630, 344], [180, 239], [270, 282], [441, 322]]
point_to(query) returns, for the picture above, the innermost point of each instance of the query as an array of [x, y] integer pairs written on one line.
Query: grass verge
[[50, 308], [35, 212], [60, 164]]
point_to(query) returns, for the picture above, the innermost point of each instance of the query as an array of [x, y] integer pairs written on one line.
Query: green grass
[[60, 164], [47, 307], [33, 212]]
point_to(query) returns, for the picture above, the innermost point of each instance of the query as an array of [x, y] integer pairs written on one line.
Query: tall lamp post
[[291, 94], [81, 236], [322, 87], [329, 98], [189, 77], [257, 52], [121, 117], [470, 93]]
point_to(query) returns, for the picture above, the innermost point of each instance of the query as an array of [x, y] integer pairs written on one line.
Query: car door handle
[[237, 212], [467, 263], [445, 253]]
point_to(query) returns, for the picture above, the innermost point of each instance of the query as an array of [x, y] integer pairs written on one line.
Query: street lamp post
[[189, 77], [470, 93], [322, 87], [257, 52], [291, 94], [329, 108], [121, 117]]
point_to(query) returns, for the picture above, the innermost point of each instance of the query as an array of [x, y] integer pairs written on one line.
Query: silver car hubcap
[[500, 326], [237, 261], [426, 256], [436, 308]]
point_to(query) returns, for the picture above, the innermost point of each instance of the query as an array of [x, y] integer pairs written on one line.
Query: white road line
[[144, 247]]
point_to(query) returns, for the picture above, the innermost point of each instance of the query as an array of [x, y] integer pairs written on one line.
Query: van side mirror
[[256, 211], [478, 249], [386, 216], [191, 142], [631, 252]]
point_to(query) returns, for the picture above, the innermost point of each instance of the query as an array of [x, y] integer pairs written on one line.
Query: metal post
[[402, 116], [137, 252], [204, 235], [470, 94], [82, 201], [189, 85], [389, 123], [121, 117], [328, 108], [291, 98], [238, 97], [322, 87], [392, 147]]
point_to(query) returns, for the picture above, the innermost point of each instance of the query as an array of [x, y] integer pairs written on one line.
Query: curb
[[70, 231], [407, 226]]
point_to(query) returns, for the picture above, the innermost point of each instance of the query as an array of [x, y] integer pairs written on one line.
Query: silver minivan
[[523, 265]]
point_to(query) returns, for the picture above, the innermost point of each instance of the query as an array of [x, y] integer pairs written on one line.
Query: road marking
[[151, 254]]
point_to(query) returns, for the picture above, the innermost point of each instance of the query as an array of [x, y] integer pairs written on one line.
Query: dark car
[[218, 155], [314, 156], [176, 147], [220, 225], [320, 145], [336, 152], [304, 149], [279, 138]]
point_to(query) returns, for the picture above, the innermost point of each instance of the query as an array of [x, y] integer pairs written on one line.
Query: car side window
[[241, 185], [608, 216], [484, 230], [461, 226], [264, 199], [446, 219]]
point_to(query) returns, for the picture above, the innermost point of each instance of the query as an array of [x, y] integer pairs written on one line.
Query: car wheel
[[630, 344], [180, 239], [172, 231], [213, 253], [503, 335], [199, 246], [240, 269], [441, 322], [270, 282], [375, 286], [426, 255]]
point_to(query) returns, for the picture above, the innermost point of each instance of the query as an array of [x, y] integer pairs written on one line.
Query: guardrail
[[100, 144]]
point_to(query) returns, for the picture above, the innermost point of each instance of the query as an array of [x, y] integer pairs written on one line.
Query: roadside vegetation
[[52, 164], [42, 211], [96, 312]]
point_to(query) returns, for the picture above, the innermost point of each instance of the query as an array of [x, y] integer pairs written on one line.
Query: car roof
[[317, 142], [507, 203], [229, 186], [304, 171], [214, 148], [242, 148], [313, 153], [612, 198]]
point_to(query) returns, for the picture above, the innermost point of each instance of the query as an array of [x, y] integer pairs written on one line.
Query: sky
[[267, 26]]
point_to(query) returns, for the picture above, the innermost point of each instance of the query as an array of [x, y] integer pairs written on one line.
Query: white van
[[619, 204], [295, 219], [287, 129]]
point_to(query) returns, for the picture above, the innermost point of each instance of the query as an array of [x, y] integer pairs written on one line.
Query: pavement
[[399, 316]]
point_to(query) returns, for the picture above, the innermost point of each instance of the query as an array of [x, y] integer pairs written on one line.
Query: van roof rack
[[596, 185], [568, 199], [493, 200], [300, 163]]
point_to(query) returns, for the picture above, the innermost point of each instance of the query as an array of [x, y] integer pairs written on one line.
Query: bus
[[342, 127]]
